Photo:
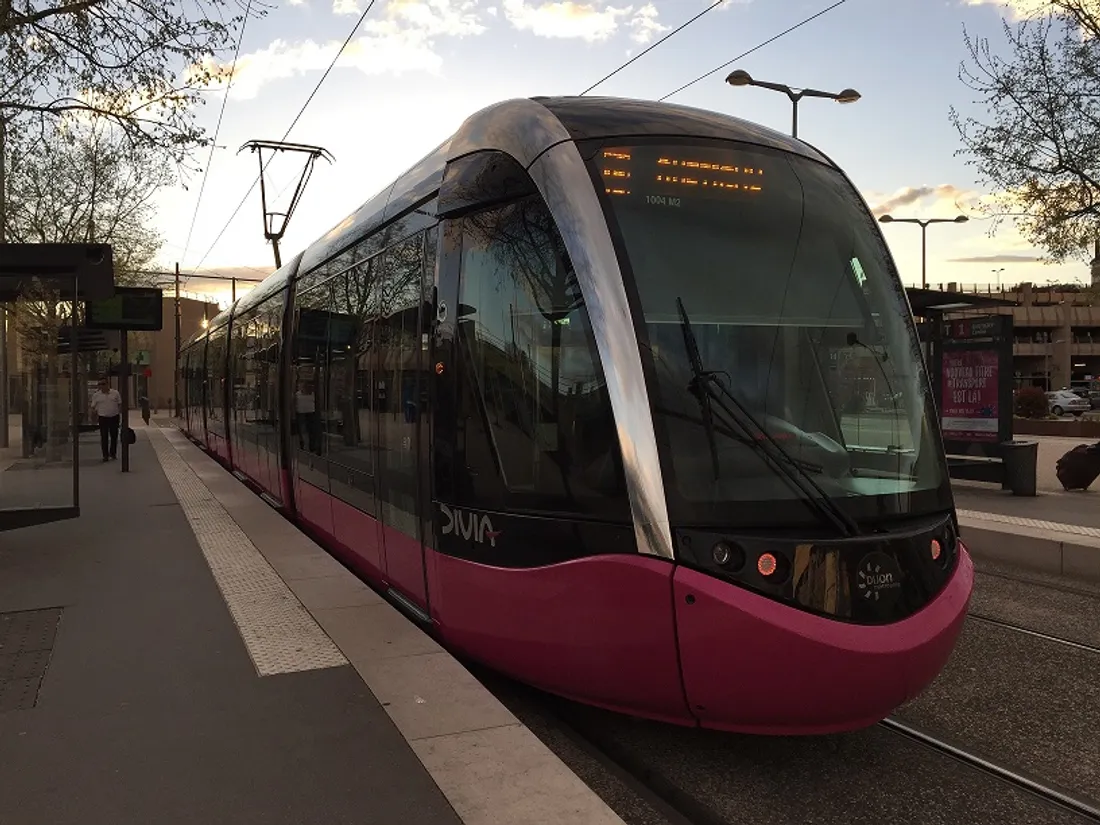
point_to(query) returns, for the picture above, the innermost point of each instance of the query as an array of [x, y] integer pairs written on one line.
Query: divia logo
[[471, 526], [878, 578]]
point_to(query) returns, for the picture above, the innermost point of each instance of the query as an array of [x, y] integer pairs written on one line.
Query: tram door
[[399, 385]]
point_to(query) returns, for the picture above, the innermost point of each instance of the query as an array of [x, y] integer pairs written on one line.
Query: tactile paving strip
[[280, 635], [26, 643], [1037, 524]]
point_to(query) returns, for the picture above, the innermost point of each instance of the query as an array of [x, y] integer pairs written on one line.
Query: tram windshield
[[763, 280]]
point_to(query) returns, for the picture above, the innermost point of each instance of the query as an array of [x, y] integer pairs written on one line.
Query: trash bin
[[1020, 459]]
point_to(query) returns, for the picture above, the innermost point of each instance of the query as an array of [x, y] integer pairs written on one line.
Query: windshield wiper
[[697, 389], [710, 391]]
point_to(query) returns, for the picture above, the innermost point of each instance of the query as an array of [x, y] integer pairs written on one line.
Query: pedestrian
[[107, 405]]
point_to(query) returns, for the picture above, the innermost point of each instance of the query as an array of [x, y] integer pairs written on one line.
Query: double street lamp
[[923, 223], [743, 78]]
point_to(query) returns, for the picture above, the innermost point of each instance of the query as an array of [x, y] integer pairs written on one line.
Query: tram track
[[691, 810], [696, 777], [1035, 633], [1086, 592], [1048, 792]]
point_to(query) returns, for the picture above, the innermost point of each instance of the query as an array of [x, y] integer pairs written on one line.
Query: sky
[[418, 68]]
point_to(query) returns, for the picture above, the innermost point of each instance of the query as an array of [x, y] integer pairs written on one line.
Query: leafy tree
[[77, 183], [1040, 146], [84, 184], [141, 64]]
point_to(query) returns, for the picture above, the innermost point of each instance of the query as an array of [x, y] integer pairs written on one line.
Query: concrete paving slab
[[333, 592], [372, 633], [484, 790]]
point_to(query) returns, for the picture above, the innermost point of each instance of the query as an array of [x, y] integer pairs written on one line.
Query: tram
[[583, 393]]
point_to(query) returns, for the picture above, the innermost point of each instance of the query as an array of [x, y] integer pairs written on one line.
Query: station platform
[[181, 653]]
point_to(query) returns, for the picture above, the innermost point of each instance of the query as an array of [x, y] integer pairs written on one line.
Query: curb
[[1042, 550]]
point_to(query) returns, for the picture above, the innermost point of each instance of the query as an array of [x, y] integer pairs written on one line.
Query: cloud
[[1017, 9], [565, 19], [592, 21], [926, 199], [402, 40], [644, 25], [345, 7], [997, 259]]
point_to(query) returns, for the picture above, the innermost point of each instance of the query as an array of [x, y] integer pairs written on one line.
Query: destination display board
[[131, 308], [662, 176]]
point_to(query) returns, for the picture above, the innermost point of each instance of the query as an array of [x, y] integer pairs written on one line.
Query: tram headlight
[[728, 556]]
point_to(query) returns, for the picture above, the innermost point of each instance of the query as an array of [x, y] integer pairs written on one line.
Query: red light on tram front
[[937, 550], [766, 565]]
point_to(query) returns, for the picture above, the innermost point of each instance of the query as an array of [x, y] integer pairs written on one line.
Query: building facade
[[154, 352], [1056, 332]]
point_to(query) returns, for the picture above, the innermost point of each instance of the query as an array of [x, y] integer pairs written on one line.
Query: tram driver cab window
[[534, 412]]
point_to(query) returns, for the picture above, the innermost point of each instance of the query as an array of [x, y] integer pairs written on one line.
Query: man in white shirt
[[107, 405]]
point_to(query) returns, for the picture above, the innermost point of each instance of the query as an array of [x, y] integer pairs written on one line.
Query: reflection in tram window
[[350, 352], [397, 375], [534, 401], [794, 310], [215, 382], [307, 387]]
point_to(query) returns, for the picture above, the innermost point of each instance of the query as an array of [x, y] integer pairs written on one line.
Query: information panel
[[975, 380], [131, 308]]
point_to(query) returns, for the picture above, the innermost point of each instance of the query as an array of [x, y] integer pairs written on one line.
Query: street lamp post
[[923, 223], [743, 78], [998, 272]]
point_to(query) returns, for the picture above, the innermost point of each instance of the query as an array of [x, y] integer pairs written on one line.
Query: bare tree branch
[[1039, 147], [141, 64]]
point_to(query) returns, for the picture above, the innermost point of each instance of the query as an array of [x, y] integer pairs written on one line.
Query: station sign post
[[137, 309]]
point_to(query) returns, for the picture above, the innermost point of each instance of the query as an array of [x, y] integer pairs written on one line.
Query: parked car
[[1065, 401]]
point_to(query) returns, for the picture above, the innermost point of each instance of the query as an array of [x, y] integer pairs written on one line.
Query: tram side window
[[240, 366], [215, 383], [351, 458], [196, 376], [308, 384], [267, 358], [397, 377], [533, 399]]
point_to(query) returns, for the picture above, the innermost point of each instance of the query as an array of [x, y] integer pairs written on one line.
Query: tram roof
[[524, 128]]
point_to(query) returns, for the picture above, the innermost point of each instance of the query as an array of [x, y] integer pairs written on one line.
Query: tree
[[77, 184], [141, 64], [1040, 149], [85, 184]]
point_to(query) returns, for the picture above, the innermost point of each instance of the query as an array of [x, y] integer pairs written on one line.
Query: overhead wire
[[756, 48], [290, 128], [602, 80], [217, 130], [652, 46]]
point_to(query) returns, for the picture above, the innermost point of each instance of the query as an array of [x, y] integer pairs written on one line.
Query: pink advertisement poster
[[970, 390]]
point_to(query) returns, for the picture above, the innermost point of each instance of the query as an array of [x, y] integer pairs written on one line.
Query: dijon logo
[[471, 526], [878, 577]]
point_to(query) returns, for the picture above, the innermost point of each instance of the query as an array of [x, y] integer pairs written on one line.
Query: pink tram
[[575, 393]]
